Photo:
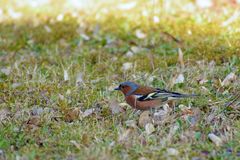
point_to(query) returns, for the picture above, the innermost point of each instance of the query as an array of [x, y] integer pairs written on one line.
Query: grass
[[40, 110]]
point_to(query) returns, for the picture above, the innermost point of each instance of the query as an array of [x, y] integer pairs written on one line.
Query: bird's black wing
[[164, 95]]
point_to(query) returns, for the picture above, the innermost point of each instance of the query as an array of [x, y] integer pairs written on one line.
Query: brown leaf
[[85, 139], [215, 139], [144, 119], [34, 120], [230, 78], [115, 107], [72, 114]]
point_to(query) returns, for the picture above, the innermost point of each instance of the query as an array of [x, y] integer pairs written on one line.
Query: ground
[[60, 61]]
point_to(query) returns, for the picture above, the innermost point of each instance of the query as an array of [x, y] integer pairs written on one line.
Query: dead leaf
[[160, 116], [179, 79], [215, 139], [48, 29], [149, 128], [126, 66], [85, 139], [6, 71], [139, 34], [230, 78], [85, 37], [36, 111], [144, 119], [33, 123], [115, 107], [72, 114], [61, 97], [88, 112], [129, 54], [131, 123], [136, 49], [185, 110], [172, 152], [15, 85], [4, 114]]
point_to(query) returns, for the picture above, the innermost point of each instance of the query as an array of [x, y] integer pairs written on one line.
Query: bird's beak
[[117, 89]]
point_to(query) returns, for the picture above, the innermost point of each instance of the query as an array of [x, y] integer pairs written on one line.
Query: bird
[[145, 98]]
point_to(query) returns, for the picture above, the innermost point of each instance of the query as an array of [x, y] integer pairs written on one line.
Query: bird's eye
[[123, 87]]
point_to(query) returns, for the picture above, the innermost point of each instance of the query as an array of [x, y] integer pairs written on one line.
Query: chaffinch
[[144, 98]]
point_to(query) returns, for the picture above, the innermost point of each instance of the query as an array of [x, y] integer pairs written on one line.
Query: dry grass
[[57, 79]]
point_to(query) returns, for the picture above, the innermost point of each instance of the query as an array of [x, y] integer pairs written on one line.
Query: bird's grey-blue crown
[[132, 85]]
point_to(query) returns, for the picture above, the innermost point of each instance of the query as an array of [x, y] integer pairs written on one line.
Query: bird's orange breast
[[142, 105]]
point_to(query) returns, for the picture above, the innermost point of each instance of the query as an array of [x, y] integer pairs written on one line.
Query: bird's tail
[[185, 95], [175, 95]]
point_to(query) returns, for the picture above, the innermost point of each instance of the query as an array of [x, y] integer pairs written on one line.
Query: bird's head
[[127, 87]]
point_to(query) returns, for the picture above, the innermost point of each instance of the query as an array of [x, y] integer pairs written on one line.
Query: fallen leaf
[[230, 78], [140, 34], [48, 29], [215, 139], [61, 97], [34, 120], [126, 66], [144, 119], [136, 49], [172, 152], [72, 114], [88, 112], [149, 128], [4, 114], [180, 79], [115, 107], [129, 54], [16, 85], [36, 111], [185, 110], [85, 139], [85, 37], [6, 71], [160, 115], [131, 123]]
